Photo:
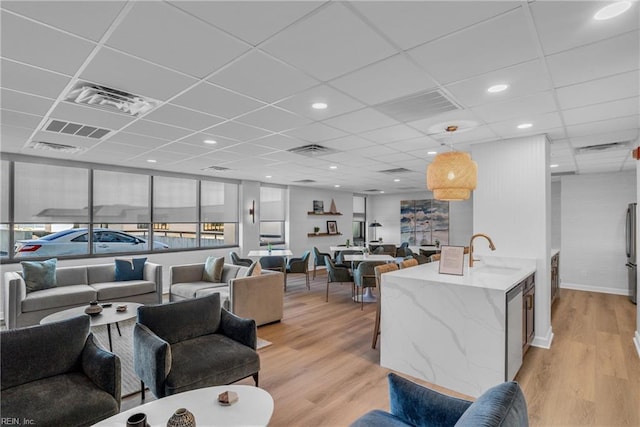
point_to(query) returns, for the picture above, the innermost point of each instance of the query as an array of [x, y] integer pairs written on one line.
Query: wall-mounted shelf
[[322, 234], [324, 213]]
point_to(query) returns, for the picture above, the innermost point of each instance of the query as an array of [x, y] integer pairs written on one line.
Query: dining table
[[272, 252], [334, 249]]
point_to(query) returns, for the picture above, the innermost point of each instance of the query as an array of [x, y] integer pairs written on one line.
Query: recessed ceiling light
[[612, 10], [525, 126], [396, 180], [497, 88], [210, 141], [267, 176], [152, 161], [432, 153], [381, 191], [333, 167], [319, 106], [553, 166], [337, 185]]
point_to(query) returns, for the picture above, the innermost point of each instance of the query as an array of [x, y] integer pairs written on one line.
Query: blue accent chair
[[414, 405]]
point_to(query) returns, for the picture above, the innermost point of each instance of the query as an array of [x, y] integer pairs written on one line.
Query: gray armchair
[[318, 259], [338, 274], [365, 277], [236, 260], [301, 266], [55, 375], [192, 344], [275, 263]]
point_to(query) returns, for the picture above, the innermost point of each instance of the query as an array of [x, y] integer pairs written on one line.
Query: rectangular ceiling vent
[[215, 169], [563, 173], [50, 146], [395, 171], [373, 190], [312, 150], [112, 99], [418, 106], [602, 147], [305, 181], [76, 129]]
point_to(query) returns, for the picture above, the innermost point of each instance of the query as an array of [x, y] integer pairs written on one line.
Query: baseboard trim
[[589, 288], [543, 341], [636, 341]]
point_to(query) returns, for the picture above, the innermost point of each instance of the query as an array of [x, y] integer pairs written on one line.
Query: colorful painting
[[422, 222]]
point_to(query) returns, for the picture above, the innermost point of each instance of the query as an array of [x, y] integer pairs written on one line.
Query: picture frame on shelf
[[318, 206], [332, 227]]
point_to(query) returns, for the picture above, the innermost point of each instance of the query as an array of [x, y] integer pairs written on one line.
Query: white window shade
[[358, 204], [272, 204], [51, 194], [120, 197], [219, 202], [174, 199], [4, 191]]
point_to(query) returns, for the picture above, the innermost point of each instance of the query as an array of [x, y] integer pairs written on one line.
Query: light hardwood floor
[[321, 370]]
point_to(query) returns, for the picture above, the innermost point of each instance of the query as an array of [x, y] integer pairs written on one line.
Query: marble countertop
[[495, 273]]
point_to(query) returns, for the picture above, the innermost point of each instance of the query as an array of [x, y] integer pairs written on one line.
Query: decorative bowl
[[121, 308], [182, 418], [94, 309]]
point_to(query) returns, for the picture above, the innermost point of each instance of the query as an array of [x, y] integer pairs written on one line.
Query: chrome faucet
[[491, 246]]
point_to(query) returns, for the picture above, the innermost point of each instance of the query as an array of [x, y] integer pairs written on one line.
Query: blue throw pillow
[[129, 269], [39, 275]]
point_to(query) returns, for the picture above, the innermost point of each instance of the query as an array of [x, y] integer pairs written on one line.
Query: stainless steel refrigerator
[[630, 247]]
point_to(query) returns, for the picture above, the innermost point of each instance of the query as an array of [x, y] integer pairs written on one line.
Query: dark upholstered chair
[[414, 405], [422, 259], [338, 274], [275, 263], [236, 260], [191, 344], [365, 277], [318, 259], [380, 270], [403, 250], [300, 266], [55, 375]]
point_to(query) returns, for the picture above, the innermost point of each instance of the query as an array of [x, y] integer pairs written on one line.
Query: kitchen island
[[458, 332]]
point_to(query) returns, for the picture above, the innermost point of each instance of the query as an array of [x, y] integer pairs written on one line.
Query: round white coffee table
[[108, 316], [253, 408]]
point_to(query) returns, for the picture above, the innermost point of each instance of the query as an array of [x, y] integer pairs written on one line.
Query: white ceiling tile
[[249, 149], [138, 140], [337, 103], [221, 156], [523, 79], [330, 33], [378, 152], [372, 84], [410, 23], [391, 134], [182, 117], [316, 132], [199, 138], [599, 90], [361, 121], [35, 44], [274, 119], [605, 138], [563, 25], [603, 126], [478, 134], [87, 115], [89, 19], [157, 130], [349, 143], [520, 108], [237, 131], [125, 150], [489, 46], [615, 55], [541, 123], [12, 138], [21, 120], [129, 74], [606, 110], [260, 76], [217, 101], [31, 80], [174, 39], [461, 118], [167, 156], [278, 142], [283, 156], [10, 100]]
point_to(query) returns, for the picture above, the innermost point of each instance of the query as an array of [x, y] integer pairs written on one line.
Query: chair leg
[[306, 277], [327, 297], [362, 298], [255, 378], [142, 389], [314, 271], [376, 326]]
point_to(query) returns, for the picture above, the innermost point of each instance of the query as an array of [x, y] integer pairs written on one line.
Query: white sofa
[[255, 297], [76, 286]]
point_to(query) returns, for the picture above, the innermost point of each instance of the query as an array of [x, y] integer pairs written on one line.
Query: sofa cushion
[[212, 271], [39, 275], [61, 296], [231, 271], [113, 290], [101, 273], [69, 276], [502, 405], [129, 269], [222, 290]]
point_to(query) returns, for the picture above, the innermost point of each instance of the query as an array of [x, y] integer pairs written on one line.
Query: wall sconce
[[252, 211]]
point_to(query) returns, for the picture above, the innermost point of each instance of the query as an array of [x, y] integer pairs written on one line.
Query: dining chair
[[364, 276], [318, 259], [236, 260], [340, 257], [275, 263], [337, 273], [379, 271], [300, 265], [412, 262]]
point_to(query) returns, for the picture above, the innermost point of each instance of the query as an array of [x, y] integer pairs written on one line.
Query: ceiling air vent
[[102, 96], [602, 147], [417, 106], [396, 170], [312, 150], [50, 146], [563, 173], [76, 129], [304, 181], [215, 169]]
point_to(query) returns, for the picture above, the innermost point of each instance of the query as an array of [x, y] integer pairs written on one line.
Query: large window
[[175, 213], [218, 214], [272, 214]]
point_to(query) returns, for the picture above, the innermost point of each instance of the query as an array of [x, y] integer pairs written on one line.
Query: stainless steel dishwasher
[[513, 346]]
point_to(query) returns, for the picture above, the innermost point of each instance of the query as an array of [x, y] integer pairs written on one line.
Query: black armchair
[[301, 266], [55, 375], [236, 260], [192, 344], [318, 259], [337, 273]]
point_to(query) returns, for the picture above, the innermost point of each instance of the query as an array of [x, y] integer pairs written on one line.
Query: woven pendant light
[[453, 175]]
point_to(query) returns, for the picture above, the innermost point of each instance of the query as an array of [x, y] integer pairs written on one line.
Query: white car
[[75, 242]]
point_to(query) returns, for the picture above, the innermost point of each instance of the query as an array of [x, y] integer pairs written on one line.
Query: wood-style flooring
[[321, 370]]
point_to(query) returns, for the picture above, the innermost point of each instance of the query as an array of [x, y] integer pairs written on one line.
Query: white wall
[[556, 214], [636, 338], [385, 208], [512, 204], [593, 221]]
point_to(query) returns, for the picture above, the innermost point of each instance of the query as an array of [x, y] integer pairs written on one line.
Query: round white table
[[254, 407], [107, 316]]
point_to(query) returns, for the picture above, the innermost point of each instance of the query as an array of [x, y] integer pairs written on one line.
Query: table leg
[[367, 297], [109, 334], [118, 327]]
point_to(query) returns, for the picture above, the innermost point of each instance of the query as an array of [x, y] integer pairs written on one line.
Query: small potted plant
[[316, 230], [348, 243], [379, 239], [437, 243]]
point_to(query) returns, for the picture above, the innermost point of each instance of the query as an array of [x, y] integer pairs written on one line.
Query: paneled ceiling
[[245, 74]]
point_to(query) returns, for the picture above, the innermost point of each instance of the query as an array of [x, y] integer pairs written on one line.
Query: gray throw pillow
[[39, 275], [213, 269], [251, 269]]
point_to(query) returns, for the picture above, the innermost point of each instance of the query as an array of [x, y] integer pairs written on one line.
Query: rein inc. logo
[[8, 421]]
